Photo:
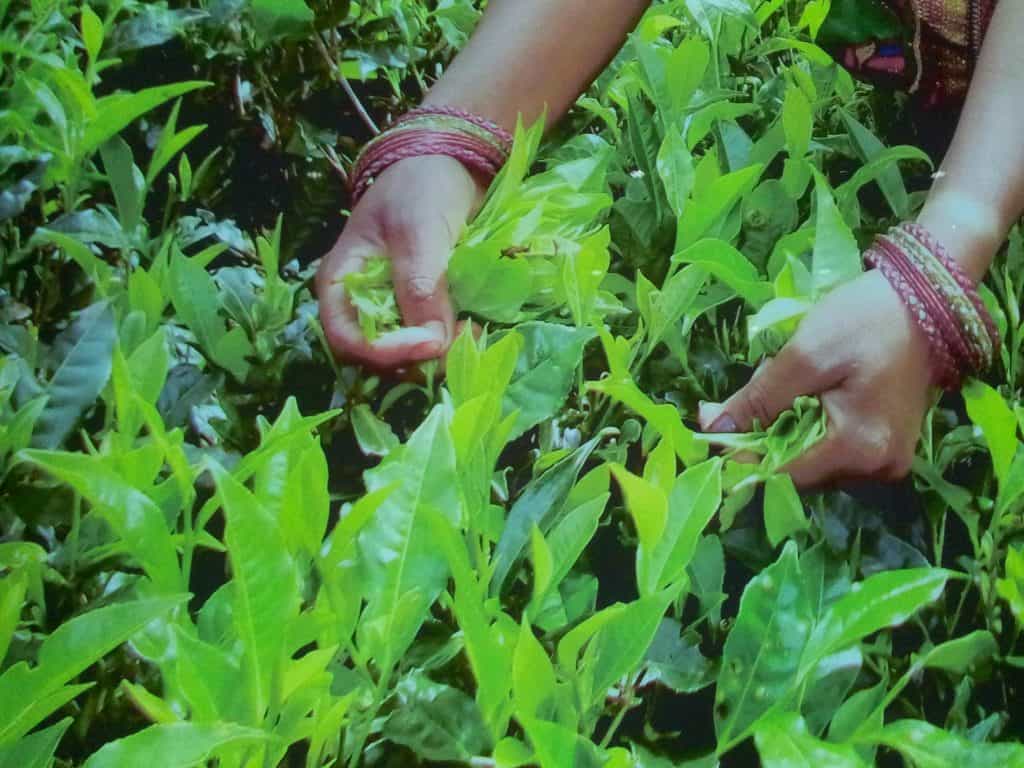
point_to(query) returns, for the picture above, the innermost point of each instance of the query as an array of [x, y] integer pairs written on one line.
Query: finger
[[341, 322], [772, 390], [420, 256], [833, 459], [822, 466]]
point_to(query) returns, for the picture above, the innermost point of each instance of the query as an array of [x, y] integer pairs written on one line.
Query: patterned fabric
[[936, 57]]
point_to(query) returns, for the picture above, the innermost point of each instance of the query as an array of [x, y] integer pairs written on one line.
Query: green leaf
[[92, 32], [645, 143], [648, 506], [783, 510], [583, 269], [929, 747], [884, 600], [671, 303], [69, 650], [730, 267], [81, 377], [539, 504], [277, 19], [118, 111], [35, 750], [993, 416], [545, 372], [374, 435], [959, 656], [761, 659], [837, 257], [871, 150], [179, 745], [437, 722], [619, 646], [712, 203], [785, 742], [171, 143], [372, 294], [533, 676], [695, 497], [570, 536], [134, 517], [797, 121], [126, 182], [404, 571], [265, 589], [676, 169]]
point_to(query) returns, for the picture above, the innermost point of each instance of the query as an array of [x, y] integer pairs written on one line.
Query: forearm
[[979, 192], [530, 55]]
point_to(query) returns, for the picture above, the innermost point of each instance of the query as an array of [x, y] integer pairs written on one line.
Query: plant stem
[[345, 85]]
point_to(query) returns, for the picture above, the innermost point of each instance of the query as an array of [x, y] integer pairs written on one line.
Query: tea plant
[[219, 545]]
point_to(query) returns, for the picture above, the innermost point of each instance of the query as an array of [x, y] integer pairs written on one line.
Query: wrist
[[971, 230]]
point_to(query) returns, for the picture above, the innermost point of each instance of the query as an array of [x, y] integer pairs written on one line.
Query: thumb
[[419, 262], [772, 390]]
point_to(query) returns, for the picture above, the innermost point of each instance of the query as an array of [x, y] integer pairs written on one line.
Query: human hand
[[413, 215], [862, 353]]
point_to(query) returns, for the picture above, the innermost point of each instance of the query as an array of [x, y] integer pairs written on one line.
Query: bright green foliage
[[373, 298], [219, 544]]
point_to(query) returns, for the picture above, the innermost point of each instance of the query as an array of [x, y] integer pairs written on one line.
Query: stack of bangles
[[943, 300], [480, 145]]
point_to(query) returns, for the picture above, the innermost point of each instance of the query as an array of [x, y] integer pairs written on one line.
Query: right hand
[[413, 215]]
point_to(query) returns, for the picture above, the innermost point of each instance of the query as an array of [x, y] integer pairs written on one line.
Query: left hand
[[861, 352]]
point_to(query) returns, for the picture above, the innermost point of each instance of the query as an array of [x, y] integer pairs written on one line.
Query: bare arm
[[530, 54], [525, 57], [980, 189]]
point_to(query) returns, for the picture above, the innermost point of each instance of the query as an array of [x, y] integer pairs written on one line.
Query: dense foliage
[[219, 544]]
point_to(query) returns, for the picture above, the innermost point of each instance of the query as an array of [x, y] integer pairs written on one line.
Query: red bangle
[[943, 300], [966, 283], [479, 144], [944, 369], [481, 122]]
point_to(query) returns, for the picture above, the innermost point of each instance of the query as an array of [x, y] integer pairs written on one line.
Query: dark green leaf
[[81, 377]]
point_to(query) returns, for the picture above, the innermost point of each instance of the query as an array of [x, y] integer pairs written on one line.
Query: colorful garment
[[927, 46]]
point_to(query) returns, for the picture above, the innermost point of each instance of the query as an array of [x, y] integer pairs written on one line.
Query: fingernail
[[438, 330], [724, 424], [707, 413]]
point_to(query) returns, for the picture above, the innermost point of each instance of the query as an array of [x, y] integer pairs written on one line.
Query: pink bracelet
[[944, 369], [490, 126], [480, 145], [943, 300], [954, 268]]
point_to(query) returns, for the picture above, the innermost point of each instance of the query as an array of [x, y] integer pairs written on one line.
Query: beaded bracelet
[[943, 300], [479, 144]]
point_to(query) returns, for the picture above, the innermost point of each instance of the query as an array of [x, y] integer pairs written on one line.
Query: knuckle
[[802, 357], [420, 287], [875, 450], [758, 402]]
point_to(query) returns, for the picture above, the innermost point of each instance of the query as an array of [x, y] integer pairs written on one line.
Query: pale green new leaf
[[133, 515], [70, 649], [116, 112], [837, 257], [785, 742], [265, 589], [783, 510], [404, 570], [35, 750], [989, 411], [927, 746], [179, 745]]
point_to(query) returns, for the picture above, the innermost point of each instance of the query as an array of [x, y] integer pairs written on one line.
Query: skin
[[859, 350]]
